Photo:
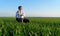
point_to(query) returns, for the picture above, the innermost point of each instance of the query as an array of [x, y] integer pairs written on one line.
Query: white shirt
[[18, 14]]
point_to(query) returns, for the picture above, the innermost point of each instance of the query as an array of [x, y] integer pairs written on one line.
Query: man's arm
[[20, 14]]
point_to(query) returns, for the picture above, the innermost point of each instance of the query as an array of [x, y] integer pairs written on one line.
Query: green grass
[[36, 27]]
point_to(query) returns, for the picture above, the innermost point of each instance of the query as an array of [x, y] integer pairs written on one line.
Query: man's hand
[[20, 14]]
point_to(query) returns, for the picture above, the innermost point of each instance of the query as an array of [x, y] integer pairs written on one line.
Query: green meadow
[[36, 27]]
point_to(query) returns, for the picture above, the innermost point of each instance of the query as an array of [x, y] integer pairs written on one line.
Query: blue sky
[[34, 8]]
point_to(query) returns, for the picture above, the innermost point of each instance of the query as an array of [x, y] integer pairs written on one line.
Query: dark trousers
[[20, 20]]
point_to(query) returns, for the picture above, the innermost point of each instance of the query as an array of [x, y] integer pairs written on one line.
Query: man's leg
[[25, 20], [22, 20], [17, 19]]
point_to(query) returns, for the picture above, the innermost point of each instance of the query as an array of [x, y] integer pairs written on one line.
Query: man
[[20, 17]]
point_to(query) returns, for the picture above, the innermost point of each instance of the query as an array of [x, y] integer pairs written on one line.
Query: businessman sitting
[[20, 16]]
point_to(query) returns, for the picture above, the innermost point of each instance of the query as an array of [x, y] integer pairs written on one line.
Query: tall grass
[[36, 27]]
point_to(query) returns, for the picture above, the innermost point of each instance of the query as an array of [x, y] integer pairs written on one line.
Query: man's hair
[[19, 7]]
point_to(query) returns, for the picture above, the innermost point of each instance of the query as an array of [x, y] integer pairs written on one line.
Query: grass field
[[36, 27]]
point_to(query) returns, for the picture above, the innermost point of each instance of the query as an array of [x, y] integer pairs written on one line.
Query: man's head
[[20, 8]]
